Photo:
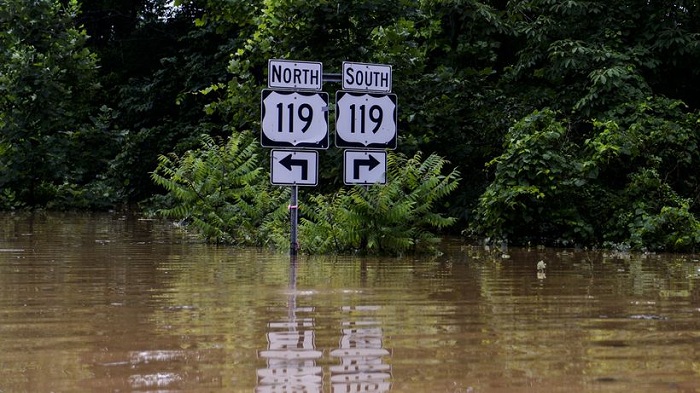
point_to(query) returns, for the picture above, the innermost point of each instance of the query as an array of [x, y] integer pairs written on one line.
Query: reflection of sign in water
[[292, 357], [291, 354], [361, 353]]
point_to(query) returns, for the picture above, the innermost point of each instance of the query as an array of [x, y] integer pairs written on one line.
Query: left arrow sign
[[288, 162], [288, 167]]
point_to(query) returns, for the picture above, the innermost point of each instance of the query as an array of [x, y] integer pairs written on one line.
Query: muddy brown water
[[109, 303]]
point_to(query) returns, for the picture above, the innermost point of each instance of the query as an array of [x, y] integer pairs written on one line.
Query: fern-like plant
[[383, 219], [220, 190]]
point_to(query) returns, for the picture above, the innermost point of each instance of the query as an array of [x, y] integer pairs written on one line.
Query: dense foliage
[[394, 218], [55, 141], [572, 122]]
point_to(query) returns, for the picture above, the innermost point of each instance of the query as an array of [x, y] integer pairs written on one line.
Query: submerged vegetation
[[571, 123], [223, 192]]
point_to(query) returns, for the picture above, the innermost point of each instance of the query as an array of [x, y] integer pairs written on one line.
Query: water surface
[[111, 303]]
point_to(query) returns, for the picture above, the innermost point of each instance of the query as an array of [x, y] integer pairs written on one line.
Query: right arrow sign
[[364, 167]]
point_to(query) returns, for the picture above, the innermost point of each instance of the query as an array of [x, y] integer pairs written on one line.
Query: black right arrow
[[289, 162], [371, 162]]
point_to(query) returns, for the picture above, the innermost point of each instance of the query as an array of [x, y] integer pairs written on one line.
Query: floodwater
[[108, 303]]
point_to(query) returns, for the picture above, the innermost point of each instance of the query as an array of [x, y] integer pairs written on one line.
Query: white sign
[[366, 77], [364, 167], [290, 74], [365, 120], [294, 168], [294, 118]]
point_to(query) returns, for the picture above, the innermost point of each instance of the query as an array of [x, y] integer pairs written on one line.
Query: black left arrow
[[371, 162], [288, 162]]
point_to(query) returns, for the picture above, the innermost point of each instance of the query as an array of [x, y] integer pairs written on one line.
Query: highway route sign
[[366, 120], [294, 119]]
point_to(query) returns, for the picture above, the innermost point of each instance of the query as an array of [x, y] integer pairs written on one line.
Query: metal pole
[[294, 219]]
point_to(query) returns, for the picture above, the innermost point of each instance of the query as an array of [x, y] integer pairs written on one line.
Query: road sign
[[294, 168], [366, 77], [365, 120], [294, 119], [291, 74], [364, 167]]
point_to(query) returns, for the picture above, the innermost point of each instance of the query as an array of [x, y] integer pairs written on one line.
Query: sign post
[[294, 114], [294, 220]]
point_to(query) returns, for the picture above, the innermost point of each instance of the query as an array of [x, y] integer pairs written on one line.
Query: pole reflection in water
[[361, 354], [291, 353]]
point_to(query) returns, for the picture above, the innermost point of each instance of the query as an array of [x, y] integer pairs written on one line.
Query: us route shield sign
[[365, 120], [294, 119]]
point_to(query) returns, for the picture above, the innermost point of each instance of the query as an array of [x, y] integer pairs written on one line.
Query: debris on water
[[648, 317], [541, 265], [179, 308]]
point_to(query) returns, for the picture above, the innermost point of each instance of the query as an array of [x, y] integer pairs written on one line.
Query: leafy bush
[[536, 185], [220, 190], [382, 219]]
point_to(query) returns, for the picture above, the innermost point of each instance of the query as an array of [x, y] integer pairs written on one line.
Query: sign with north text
[[291, 74]]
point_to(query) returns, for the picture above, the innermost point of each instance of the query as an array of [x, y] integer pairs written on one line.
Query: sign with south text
[[366, 77]]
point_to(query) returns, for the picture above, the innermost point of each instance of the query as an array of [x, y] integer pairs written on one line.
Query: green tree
[[155, 59], [585, 57], [448, 58], [53, 140], [632, 183], [613, 157]]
